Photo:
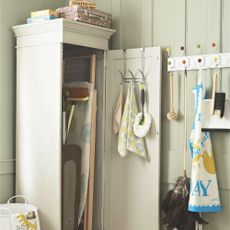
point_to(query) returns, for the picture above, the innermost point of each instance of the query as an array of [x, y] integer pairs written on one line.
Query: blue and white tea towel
[[204, 193]]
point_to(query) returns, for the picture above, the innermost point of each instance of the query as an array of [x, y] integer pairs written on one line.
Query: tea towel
[[118, 112], [127, 141]]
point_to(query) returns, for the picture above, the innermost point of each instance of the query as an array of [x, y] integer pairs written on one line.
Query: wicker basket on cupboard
[[82, 3]]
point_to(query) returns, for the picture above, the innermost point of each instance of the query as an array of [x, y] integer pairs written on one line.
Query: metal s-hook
[[143, 76], [142, 73], [123, 74], [142, 70], [125, 62], [131, 73], [122, 77]]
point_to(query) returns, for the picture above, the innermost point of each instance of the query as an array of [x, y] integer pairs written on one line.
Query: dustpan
[[215, 123], [216, 111]]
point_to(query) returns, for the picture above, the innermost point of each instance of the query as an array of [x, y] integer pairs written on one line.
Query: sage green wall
[[162, 23], [12, 12], [138, 23]]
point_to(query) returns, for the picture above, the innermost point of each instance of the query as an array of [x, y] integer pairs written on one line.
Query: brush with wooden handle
[[171, 115]]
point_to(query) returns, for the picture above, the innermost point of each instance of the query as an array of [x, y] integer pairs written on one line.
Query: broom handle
[[213, 93], [185, 120], [171, 91]]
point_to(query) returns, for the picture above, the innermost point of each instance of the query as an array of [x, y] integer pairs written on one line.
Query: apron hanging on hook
[[204, 193], [175, 203]]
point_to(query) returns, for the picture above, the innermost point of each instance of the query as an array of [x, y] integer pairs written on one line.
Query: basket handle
[[25, 200], [6, 209]]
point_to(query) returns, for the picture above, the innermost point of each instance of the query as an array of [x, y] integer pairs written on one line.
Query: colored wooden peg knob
[[168, 50], [215, 59], [169, 62], [198, 46], [213, 45], [183, 62], [199, 60], [182, 48]]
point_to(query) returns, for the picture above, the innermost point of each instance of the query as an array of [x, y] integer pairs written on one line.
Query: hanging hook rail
[[207, 61], [133, 77]]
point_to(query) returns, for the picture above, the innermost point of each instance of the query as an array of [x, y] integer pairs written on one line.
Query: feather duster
[[175, 207]]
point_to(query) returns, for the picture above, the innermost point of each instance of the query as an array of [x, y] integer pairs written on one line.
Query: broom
[[175, 204]]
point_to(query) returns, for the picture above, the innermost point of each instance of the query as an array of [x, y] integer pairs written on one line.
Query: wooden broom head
[[82, 3], [76, 93]]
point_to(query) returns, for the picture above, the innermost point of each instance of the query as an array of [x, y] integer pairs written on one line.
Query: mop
[[175, 204]]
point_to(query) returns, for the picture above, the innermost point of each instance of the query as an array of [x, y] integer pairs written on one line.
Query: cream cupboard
[[126, 191]]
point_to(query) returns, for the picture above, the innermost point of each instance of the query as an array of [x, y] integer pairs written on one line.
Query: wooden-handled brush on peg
[[171, 115]]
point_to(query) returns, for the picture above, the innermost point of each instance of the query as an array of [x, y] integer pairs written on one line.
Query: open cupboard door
[[132, 185]]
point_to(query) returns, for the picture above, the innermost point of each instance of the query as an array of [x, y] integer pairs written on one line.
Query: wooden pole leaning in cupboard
[[88, 216]]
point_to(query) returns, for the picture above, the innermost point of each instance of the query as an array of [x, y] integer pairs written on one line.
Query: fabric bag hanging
[[204, 193], [19, 216]]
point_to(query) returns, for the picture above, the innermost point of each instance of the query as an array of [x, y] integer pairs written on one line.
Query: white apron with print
[[204, 193]]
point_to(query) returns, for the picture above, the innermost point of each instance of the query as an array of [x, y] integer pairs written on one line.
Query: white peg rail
[[208, 61]]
